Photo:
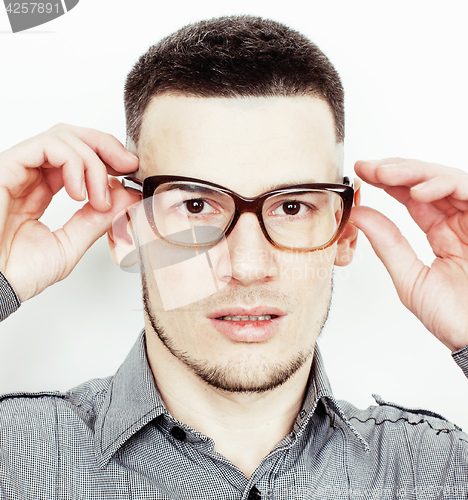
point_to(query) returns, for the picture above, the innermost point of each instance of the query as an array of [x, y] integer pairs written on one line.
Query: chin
[[248, 376]]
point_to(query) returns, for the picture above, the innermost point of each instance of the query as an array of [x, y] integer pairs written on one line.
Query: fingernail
[[132, 155], [108, 197], [83, 190]]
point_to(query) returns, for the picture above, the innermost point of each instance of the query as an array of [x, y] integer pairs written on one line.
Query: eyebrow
[[188, 187], [273, 186], [265, 189]]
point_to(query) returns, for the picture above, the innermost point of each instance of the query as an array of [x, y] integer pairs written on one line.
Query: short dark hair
[[239, 56]]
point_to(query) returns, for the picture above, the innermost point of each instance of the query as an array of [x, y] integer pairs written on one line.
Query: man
[[235, 131]]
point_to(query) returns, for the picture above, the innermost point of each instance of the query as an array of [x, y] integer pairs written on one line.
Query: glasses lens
[[191, 214], [303, 219]]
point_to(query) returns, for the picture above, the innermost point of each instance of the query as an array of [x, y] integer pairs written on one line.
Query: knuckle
[[397, 160], [460, 173], [59, 127], [43, 137]]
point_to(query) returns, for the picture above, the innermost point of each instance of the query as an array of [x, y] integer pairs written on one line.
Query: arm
[[31, 256]]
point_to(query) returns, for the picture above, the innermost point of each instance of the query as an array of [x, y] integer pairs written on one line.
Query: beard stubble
[[246, 377]]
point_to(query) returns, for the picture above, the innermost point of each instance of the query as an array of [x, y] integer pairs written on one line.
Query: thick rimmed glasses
[[194, 213]]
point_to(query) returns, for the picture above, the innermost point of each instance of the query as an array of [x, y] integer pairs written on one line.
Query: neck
[[244, 426]]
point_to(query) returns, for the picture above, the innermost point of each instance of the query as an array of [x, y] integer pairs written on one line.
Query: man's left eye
[[290, 208]]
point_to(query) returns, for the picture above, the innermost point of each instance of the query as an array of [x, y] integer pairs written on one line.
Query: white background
[[403, 65]]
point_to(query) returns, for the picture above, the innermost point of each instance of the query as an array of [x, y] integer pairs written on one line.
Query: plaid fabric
[[114, 439], [9, 301], [461, 358]]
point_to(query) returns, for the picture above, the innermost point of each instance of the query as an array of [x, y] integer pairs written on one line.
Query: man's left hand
[[437, 199]]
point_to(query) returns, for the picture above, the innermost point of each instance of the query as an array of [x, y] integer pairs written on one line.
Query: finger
[[95, 172], [453, 184], [427, 189], [20, 164], [109, 149], [410, 173], [426, 215], [430, 207], [54, 179], [367, 170], [112, 171], [89, 224], [102, 154], [392, 249]]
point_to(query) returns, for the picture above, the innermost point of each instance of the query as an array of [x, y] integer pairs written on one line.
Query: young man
[[235, 128]]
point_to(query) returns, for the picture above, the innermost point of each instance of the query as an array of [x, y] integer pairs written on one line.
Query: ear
[[122, 242], [347, 242]]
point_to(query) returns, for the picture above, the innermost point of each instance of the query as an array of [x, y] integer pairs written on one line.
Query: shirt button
[[178, 433], [254, 494]]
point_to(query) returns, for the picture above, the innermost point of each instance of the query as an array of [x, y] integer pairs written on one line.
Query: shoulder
[[84, 401], [393, 425], [387, 412], [406, 447], [392, 415]]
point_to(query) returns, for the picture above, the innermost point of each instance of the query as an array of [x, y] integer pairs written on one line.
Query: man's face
[[249, 145]]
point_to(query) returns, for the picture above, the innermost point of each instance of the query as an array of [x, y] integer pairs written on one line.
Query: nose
[[252, 255]]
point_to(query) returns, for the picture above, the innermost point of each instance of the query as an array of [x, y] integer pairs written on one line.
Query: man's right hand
[[31, 173]]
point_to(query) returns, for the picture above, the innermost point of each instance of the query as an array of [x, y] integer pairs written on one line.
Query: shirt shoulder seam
[[408, 421], [32, 395], [48, 394]]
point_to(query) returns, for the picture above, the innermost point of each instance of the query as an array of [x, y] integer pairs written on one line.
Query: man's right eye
[[198, 206], [195, 206]]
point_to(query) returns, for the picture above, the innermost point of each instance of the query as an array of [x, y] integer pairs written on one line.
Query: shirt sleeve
[[9, 300], [461, 358]]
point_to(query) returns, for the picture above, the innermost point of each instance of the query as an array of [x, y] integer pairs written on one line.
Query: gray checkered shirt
[[114, 439]]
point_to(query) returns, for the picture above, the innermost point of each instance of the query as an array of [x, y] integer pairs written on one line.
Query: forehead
[[246, 144]]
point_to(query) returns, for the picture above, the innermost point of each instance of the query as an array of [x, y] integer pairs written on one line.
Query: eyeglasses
[[194, 213]]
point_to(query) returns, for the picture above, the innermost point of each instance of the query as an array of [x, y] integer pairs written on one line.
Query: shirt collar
[[319, 389], [133, 400]]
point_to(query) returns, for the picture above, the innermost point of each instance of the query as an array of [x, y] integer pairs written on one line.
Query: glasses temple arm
[[133, 183]]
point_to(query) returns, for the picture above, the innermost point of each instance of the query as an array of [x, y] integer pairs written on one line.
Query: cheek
[[310, 276], [308, 270], [150, 289]]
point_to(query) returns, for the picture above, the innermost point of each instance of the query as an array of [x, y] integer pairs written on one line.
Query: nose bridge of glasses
[[244, 206], [247, 205]]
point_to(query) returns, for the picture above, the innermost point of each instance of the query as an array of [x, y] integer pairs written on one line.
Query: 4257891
[[33, 7]]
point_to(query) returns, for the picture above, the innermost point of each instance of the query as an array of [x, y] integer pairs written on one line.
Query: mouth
[[248, 324], [265, 317]]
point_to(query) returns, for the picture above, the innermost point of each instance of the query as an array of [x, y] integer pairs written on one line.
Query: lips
[[265, 317], [240, 324], [242, 312]]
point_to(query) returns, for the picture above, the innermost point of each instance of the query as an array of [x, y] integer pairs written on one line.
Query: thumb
[[88, 224], [392, 248]]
